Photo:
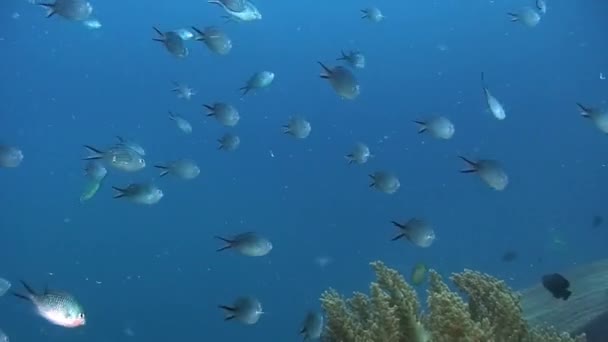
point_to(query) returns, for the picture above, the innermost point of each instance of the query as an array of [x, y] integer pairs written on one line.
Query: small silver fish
[[183, 168], [258, 80], [215, 39], [527, 16], [360, 154], [226, 114], [183, 91], [373, 14], [438, 127], [298, 128], [246, 310], [417, 231], [75, 10], [173, 42], [183, 124], [248, 244], [59, 308], [10, 156], [242, 11], [140, 193], [342, 81], [494, 105], [385, 182], [119, 157], [229, 142], [490, 172]]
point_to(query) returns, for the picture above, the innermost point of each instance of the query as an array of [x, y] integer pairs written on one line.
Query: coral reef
[[392, 312]]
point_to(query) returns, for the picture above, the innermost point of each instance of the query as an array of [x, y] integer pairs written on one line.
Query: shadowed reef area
[[482, 309]]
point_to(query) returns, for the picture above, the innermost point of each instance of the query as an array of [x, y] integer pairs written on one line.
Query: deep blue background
[[63, 85]]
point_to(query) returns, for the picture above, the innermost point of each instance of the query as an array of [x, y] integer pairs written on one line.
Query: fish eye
[[81, 315]]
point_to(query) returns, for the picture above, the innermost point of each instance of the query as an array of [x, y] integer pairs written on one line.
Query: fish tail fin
[[28, 288], [365, 14], [584, 110], [245, 90], [158, 31], [230, 312], [343, 56], [566, 294], [326, 70], [21, 296], [286, 129], [373, 182], [349, 158], [95, 153], [49, 7], [397, 224], [210, 110], [165, 170], [119, 192], [228, 19], [514, 16], [201, 35], [400, 236], [228, 241], [423, 127], [471, 163], [171, 116], [30, 292]]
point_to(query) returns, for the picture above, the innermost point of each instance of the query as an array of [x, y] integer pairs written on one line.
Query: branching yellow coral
[[391, 312]]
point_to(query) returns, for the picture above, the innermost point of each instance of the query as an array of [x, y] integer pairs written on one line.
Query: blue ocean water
[[154, 271]]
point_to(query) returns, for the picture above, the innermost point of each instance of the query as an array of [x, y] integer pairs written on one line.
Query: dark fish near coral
[[312, 327], [509, 256], [557, 285], [419, 274]]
